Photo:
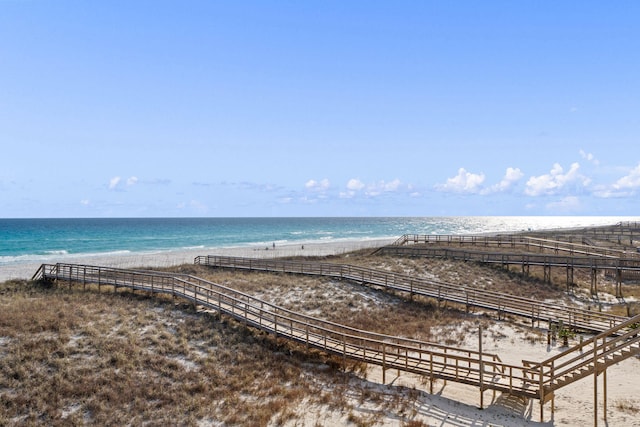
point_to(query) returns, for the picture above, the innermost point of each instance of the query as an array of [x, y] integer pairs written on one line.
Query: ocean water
[[44, 240]]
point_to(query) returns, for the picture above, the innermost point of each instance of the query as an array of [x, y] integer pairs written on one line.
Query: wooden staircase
[[591, 357]]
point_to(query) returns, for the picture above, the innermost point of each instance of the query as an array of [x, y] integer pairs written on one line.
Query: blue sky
[[319, 108]]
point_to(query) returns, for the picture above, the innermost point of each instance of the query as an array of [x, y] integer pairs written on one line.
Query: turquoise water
[[40, 240]]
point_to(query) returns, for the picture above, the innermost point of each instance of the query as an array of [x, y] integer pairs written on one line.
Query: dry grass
[[627, 405], [344, 302], [463, 273], [72, 358]]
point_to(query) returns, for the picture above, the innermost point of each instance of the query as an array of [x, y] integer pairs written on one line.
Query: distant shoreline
[[166, 242], [178, 257]]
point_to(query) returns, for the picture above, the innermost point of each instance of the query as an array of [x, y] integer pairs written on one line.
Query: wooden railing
[[486, 371], [623, 233], [604, 349], [501, 303], [514, 241], [432, 360], [590, 357], [503, 258]]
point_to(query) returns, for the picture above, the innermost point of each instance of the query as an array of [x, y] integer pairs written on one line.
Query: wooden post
[[553, 395], [467, 305], [595, 382], [541, 386], [275, 326], [344, 353], [533, 317], [481, 366], [604, 392], [384, 363], [431, 372], [547, 273], [569, 278]]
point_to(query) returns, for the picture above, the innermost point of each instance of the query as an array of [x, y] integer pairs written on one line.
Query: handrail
[[532, 379], [120, 278], [429, 359], [515, 240], [39, 273], [579, 361], [633, 322], [469, 296], [597, 262]]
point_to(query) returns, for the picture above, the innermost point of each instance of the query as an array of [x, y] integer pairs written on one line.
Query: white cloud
[[555, 180], [511, 176], [346, 194], [391, 186], [113, 182], [623, 187], [464, 182], [630, 181], [355, 184], [85, 202], [589, 157], [380, 187], [314, 185], [565, 205]]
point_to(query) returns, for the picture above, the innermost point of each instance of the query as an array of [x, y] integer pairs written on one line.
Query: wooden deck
[[467, 296], [619, 264], [537, 380], [516, 241]]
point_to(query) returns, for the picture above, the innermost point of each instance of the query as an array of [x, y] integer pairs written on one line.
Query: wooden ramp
[[516, 241], [433, 361], [467, 296], [627, 265]]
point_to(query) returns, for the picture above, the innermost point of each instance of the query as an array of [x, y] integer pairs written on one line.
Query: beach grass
[[73, 357], [70, 357]]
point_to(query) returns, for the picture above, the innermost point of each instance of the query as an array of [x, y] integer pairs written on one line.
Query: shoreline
[[25, 270]]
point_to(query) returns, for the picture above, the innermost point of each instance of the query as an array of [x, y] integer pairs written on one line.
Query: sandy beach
[[173, 258]]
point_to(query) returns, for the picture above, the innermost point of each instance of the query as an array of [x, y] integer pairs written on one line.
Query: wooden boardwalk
[[615, 263], [467, 296], [537, 380], [626, 233], [517, 241]]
